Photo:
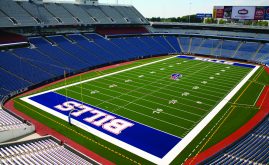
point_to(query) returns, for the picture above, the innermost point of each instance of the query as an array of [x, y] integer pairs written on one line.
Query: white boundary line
[[171, 155]]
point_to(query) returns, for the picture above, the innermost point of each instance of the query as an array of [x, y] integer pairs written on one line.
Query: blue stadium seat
[[226, 49], [74, 49], [161, 40], [132, 51], [262, 54], [195, 44], [58, 54], [45, 62], [185, 43], [22, 68], [174, 42], [247, 51], [115, 52], [10, 82], [253, 148], [208, 46]]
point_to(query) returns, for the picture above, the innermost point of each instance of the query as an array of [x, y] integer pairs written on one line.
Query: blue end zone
[[217, 61], [148, 139]]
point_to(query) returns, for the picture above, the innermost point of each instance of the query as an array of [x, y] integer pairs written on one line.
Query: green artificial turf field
[[148, 95]]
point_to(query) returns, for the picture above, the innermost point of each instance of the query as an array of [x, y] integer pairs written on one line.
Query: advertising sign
[[200, 15], [227, 12], [208, 15], [259, 13], [203, 15], [218, 12], [266, 15], [243, 12]]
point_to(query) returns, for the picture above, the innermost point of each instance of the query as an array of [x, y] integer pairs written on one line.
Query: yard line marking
[[175, 92], [129, 110], [171, 90], [231, 72], [229, 77], [166, 100], [147, 101], [186, 84], [196, 77]]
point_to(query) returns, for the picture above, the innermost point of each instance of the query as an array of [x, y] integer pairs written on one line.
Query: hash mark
[[199, 102], [94, 92]]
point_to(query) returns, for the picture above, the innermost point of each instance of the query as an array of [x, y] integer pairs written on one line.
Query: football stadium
[[85, 82]]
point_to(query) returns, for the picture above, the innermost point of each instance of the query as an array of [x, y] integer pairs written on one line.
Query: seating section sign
[[242, 12]]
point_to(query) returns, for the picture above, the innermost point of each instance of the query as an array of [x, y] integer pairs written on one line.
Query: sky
[[178, 8]]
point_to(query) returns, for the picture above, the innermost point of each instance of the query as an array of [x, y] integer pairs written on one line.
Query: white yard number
[[199, 102], [158, 111], [211, 78], [217, 74], [204, 82], [141, 76], [152, 72], [185, 94], [172, 101]]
